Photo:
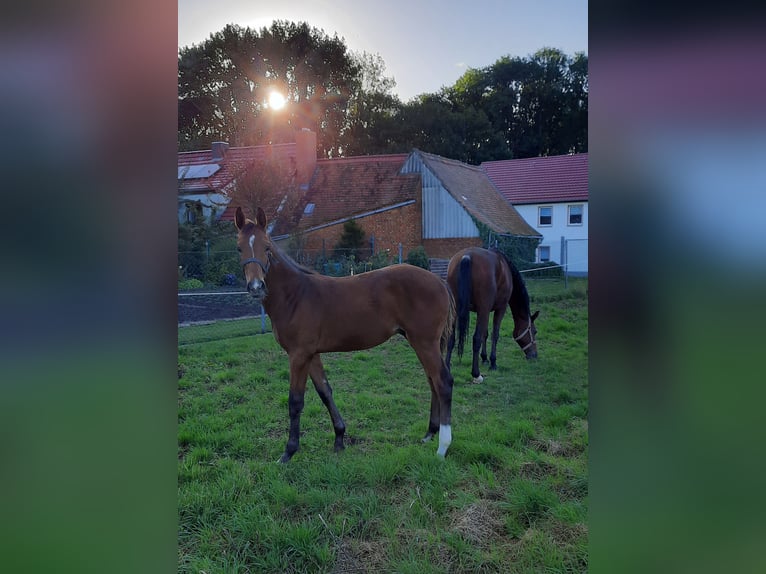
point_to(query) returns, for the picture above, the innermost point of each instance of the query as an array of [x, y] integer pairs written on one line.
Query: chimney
[[305, 156], [219, 150]]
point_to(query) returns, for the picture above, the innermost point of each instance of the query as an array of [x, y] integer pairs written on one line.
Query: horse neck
[[285, 281], [520, 314]]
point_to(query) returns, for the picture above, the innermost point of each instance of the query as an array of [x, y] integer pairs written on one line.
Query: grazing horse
[[313, 314], [486, 281]]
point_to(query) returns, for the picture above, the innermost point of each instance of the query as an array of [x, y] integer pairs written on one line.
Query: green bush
[[188, 284], [418, 257]]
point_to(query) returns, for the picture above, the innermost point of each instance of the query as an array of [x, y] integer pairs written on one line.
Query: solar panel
[[197, 171]]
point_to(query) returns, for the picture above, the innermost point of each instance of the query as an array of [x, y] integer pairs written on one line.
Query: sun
[[276, 101]]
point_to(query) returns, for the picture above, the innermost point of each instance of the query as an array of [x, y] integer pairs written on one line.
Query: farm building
[[551, 193], [415, 199]]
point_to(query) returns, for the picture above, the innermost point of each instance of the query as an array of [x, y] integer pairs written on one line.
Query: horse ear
[[260, 218], [239, 218], [534, 316]]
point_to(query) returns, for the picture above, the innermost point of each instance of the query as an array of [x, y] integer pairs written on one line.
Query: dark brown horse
[[313, 314], [486, 281]]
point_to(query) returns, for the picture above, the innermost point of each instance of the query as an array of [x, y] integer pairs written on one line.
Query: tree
[[224, 84], [270, 185], [371, 107], [352, 242]]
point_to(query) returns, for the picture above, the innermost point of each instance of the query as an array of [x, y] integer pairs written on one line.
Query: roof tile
[[541, 179]]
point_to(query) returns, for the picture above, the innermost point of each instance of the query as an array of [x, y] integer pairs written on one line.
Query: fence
[[221, 268], [212, 312]]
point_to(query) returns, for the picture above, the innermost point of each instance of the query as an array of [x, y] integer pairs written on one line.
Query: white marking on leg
[[478, 379], [445, 438]]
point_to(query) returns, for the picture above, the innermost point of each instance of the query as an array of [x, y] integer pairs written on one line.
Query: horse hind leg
[[441, 383], [433, 421], [324, 390]]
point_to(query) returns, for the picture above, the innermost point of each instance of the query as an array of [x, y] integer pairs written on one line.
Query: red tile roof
[[541, 179], [348, 187], [236, 160], [472, 189]]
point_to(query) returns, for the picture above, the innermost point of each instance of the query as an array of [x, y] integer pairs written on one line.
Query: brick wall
[[402, 225]]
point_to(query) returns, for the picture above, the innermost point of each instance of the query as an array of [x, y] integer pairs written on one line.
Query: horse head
[[254, 248], [525, 334]]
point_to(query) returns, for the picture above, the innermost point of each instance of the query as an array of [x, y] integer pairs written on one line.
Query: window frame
[[540, 254], [569, 214], [540, 215]]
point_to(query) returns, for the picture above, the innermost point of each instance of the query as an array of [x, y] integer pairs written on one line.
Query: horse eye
[[239, 249]]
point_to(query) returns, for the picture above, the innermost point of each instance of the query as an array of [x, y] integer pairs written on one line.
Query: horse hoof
[[426, 438], [284, 459], [477, 380]]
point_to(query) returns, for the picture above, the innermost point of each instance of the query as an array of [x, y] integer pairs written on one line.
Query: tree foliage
[[224, 84], [517, 107], [352, 242]]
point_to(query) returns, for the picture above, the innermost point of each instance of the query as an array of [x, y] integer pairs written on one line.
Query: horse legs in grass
[[450, 345], [441, 383], [323, 389], [299, 367], [497, 319], [479, 338]]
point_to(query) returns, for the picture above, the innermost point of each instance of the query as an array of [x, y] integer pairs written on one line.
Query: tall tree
[[224, 84], [371, 109]]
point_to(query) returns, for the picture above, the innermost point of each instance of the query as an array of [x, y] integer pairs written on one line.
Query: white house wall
[[576, 234], [209, 202]]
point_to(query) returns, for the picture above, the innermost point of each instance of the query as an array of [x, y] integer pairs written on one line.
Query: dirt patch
[[360, 556], [566, 534], [479, 523], [537, 470]]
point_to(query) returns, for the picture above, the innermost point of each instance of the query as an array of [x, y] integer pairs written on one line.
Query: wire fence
[[213, 303]]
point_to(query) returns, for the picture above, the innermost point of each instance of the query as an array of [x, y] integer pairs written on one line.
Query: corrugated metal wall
[[443, 216]]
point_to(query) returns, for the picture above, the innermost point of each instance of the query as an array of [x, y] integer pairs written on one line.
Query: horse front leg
[[479, 338], [497, 319], [324, 390], [299, 367]]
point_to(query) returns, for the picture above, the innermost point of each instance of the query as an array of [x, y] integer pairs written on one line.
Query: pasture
[[511, 495]]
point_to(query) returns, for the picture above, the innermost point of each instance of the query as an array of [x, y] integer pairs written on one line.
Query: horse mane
[[285, 258], [519, 294]]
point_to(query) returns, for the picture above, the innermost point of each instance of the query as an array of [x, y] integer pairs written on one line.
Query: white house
[[551, 194]]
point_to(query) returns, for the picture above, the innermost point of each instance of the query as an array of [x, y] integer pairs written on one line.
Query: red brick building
[[415, 199]]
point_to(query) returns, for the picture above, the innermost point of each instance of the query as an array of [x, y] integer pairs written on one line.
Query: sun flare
[[276, 101]]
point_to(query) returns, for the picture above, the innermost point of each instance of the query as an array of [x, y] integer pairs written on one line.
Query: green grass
[[511, 496]]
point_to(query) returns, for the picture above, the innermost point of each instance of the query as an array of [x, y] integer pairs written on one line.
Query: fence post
[[564, 260], [263, 320], [400, 253]]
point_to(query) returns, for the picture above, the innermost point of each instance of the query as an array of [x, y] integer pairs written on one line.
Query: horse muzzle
[[257, 289]]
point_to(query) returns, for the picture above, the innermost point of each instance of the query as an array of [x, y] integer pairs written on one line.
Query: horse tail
[[464, 294], [447, 332]]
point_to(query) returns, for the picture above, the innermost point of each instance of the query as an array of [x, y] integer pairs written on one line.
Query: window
[[544, 253], [575, 214], [545, 215]]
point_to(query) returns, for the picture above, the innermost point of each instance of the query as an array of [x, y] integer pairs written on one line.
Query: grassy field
[[511, 496]]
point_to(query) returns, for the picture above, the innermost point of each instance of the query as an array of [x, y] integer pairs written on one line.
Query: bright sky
[[426, 44]]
